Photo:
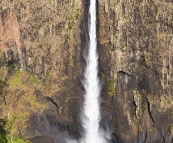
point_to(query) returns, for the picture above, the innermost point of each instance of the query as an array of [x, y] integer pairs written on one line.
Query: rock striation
[[136, 39], [42, 48]]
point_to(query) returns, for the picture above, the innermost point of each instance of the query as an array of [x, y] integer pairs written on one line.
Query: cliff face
[[136, 47], [40, 66], [42, 45]]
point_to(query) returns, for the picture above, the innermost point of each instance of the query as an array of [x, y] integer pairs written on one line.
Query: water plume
[[91, 109]]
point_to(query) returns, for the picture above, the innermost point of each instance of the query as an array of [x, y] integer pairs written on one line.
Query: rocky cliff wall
[[42, 46], [136, 41], [40, 67]]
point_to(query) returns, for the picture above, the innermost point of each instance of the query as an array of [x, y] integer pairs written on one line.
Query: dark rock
[[44, 139]]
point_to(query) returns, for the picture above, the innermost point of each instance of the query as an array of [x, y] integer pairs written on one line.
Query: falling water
[[91, 112]]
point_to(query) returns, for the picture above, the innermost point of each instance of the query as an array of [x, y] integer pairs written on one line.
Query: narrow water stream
[[91, 109]]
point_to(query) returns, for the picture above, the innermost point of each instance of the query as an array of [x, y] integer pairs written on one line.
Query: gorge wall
[[42, 45], [136, 39], [40, 66]]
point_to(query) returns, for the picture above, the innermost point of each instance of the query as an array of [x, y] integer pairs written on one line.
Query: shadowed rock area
[[42, 139]]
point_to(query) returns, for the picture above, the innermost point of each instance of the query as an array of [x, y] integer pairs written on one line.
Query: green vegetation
[[77, 13], [11, 124], [1, 54], [77, 16], [14, 116], [103, 75], [4, 137], [16, 79], [3, 86], [111, 88], [49, 74], [146, 60], [19, 140], [66, 104], [73, 17], [16, 140], [34, 79], [112, 49], [3, 134]]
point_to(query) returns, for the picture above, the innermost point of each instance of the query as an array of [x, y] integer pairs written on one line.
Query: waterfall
[[91, 112]]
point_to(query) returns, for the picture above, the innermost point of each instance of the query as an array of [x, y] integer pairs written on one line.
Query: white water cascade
[[91, 112]]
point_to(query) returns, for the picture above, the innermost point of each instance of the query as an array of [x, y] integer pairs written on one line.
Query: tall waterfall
[[91, 112]]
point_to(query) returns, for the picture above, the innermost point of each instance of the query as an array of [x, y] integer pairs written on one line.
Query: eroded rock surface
[[42, 45], [136, 60], [40, 62]]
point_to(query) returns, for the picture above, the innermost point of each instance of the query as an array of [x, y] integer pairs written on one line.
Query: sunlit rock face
[[10, 33], [9, 37], [136, 42], [41, 68], [42, 45]]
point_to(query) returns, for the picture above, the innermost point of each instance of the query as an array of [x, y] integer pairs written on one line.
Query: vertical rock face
[[136, 41], [41, 57], [40, 43], [10, 32], [10, 37]]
